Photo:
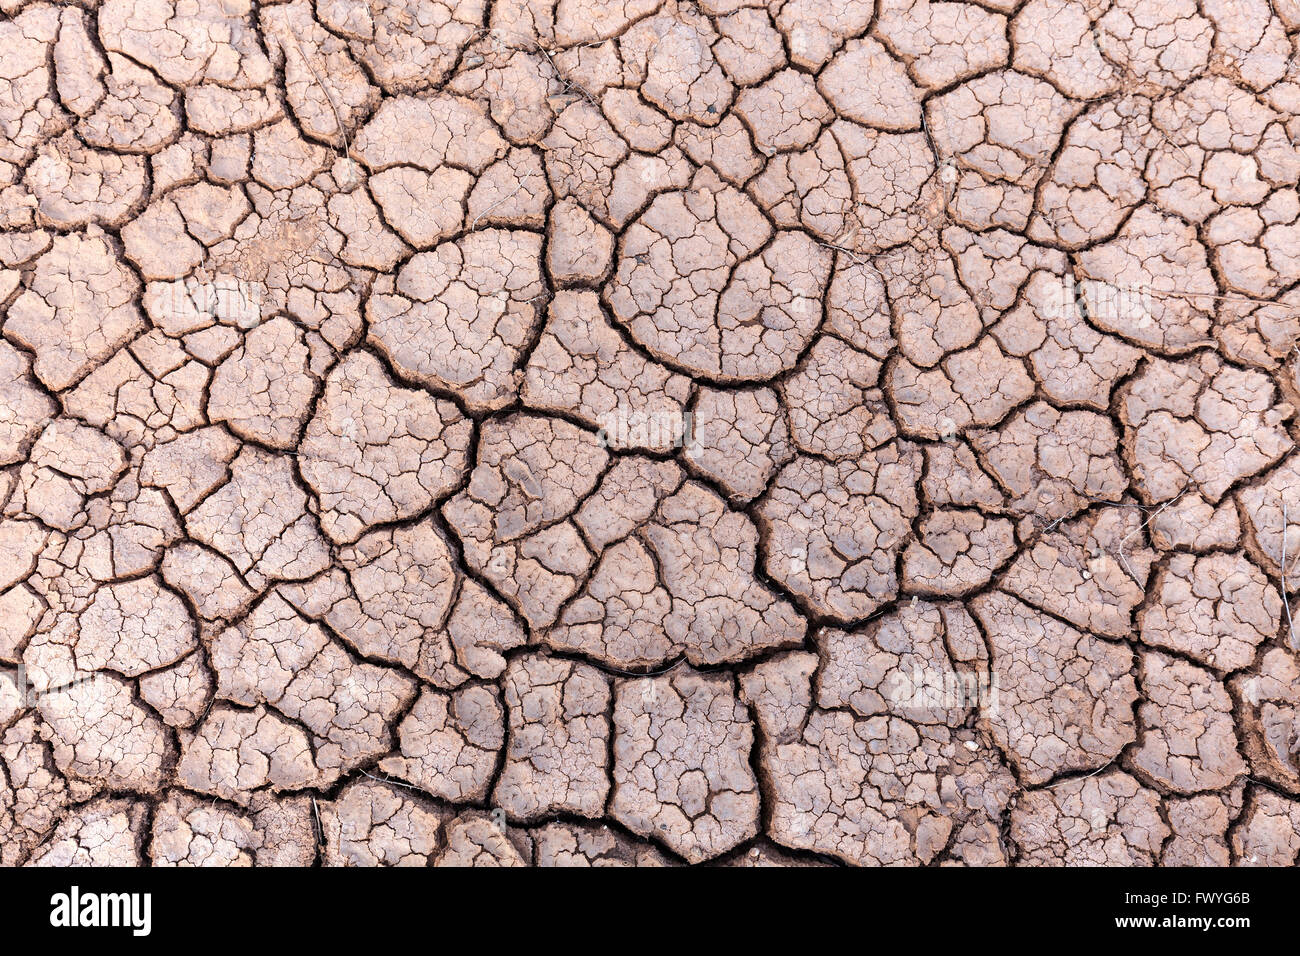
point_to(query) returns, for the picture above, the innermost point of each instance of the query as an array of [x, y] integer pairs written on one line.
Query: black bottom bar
[[338, 907]]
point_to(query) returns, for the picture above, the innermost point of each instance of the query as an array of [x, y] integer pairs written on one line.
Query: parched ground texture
[[791, 432]]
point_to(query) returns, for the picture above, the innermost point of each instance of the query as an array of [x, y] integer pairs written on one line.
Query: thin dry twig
[[1084, 777], [329, 98], [503, 199], [388, 780], [1122, 549], [1286, 591]]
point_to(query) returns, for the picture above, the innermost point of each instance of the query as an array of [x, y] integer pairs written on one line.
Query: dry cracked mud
[[649, 432]]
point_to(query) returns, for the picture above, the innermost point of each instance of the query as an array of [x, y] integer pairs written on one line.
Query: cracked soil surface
[[647, 432]]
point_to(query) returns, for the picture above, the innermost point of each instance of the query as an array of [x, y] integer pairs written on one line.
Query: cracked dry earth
[[508, 432]]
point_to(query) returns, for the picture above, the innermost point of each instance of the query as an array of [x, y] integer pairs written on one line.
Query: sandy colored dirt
[[641, 432]]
